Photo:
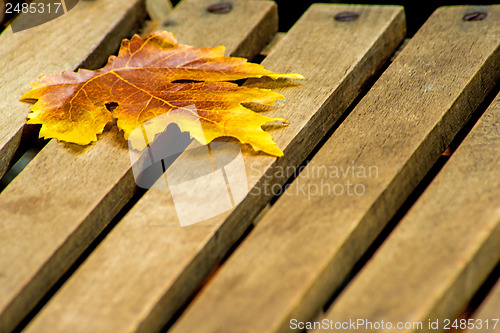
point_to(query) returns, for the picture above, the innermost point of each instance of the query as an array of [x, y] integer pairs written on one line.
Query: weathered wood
[[486, 316], [193, 12], [158, 10], [148, 266], [444, 248], [68, 194], [84, 37], [272, 44], [307, 243]]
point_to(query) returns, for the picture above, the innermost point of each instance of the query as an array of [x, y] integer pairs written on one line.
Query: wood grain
[[84, 37], [250, 40], [64, 198], [158, 10], [303, 249], [446, 245], [148, 266], [272, 44]]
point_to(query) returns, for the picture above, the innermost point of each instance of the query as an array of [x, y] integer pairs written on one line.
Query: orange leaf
[[148, 79]]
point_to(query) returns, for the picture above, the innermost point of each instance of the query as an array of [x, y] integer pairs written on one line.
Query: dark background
[[417, 12]]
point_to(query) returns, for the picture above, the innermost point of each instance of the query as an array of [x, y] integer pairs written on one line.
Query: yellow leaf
[[151, 77]]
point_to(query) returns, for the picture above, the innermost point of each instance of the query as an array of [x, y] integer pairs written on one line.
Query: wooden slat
[[487, 318], [84, 37], [158, 10], [68, 194], [272, 44], [446, 245], [148, 266], [249, 41], [304, 247]]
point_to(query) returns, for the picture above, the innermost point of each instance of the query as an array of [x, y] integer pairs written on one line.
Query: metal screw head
[[168, 23], [475, 16], [220, 8], [346, 16]]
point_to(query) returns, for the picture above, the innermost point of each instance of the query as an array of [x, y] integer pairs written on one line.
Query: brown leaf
[[156, 76]]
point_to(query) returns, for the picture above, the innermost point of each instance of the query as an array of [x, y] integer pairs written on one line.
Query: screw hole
[[220, 8], [346, 16], [475, 16]]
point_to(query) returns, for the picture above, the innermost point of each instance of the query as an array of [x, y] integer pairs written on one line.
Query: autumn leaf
[[155, 76]]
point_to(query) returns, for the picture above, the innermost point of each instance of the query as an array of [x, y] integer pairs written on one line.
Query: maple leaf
[[154, 76]]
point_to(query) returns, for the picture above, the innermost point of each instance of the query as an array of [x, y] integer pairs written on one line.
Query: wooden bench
[[377, 225]]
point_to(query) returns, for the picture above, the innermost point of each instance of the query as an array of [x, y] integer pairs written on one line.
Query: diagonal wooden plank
[[248, 42], [86, 35], [486, 318], [444, 248], [148, 266], [25, 56], [307, 243], [67, 194]]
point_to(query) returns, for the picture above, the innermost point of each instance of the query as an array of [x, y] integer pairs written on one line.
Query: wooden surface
[[304, 247], [68, 194], [272, 44], [84, 37], [249, 39], [149, 265], [446, 245], [299, 250], [158, 10], [488, 310]]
